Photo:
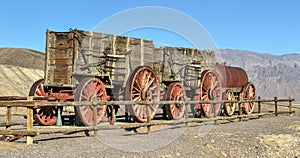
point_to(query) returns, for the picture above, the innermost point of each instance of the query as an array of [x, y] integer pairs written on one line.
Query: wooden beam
[[8, 118], [276, 106], [16, 103], [29, 139], [12, 124], [19, 132], [142, 52]]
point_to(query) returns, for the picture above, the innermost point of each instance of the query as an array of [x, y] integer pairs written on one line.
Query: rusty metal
[[231, 76]]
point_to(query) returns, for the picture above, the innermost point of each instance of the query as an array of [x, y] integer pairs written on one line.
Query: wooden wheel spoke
[[142, 85], [149, 83], [98, 89], [138, 98], [137, 84], [249, 94], [84, 98], [136, 89], [43, 115], [87, 89], [175, 92], [210, 89]]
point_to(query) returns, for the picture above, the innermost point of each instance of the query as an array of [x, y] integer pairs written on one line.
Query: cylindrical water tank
[[231, 77]]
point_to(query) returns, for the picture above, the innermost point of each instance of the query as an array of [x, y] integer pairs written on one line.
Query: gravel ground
[[268, 136]]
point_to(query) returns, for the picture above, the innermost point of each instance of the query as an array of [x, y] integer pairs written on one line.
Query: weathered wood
[[259, 105], [12, 124], [8, 117], [240, 108], [148, 118], [19, 132], [276, 106], [43, 104], [283, 105], [29, 139], [290, 105], [186, 112], [16, 110], [15, 98], [120, 125], [95, 119], [16, 103]]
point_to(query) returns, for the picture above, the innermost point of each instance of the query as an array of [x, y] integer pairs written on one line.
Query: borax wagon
[[87, 66]]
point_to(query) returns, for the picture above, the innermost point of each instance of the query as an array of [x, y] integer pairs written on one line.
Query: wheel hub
[[178, 98], [93, 97], [211, 94]]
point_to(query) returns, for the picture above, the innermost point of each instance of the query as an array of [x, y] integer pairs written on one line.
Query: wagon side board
[[74, 55]]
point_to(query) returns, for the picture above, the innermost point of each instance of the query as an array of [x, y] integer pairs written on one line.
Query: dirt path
[[265, 137]]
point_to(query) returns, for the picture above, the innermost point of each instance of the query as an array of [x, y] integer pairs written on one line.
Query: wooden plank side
[[60, 58], [92, 50]]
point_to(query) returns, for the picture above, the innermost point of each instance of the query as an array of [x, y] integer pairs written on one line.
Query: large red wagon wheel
[[248, 93], [210, 89], [229, 108], [42, 115], [175, 92], [142, 85], [90, 89]]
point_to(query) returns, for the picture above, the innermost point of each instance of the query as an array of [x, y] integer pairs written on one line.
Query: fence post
[[186, 113], [290, 105], [259, 105], [113, 116], [215, 116], [276, 106], [126, 113], [16, 110], [148, 118], [240, 108], [8, 118], [95, 119], [29, 139]]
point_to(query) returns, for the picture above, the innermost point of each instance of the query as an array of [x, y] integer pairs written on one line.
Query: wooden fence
[[29, 103]]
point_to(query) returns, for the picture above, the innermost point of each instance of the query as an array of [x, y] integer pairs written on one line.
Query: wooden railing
[[29, 103]]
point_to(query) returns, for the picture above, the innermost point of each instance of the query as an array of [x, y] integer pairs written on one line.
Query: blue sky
[[260, 26]]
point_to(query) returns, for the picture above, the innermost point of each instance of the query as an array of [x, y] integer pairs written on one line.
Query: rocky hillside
[[19, 69], [25, 58], [273, 75]]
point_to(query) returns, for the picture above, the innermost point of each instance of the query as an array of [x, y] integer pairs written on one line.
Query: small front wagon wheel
[[46, 116]]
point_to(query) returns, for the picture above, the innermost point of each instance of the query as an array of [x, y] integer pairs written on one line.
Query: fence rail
[[29, 103]]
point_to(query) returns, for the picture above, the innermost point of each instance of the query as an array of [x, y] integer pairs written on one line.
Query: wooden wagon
[[86, 66]]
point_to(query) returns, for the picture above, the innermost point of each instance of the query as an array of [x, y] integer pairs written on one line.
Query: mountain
[[20, 68], [272, 75]]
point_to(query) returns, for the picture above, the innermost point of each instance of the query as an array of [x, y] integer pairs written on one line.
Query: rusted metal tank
[[231, 77]]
